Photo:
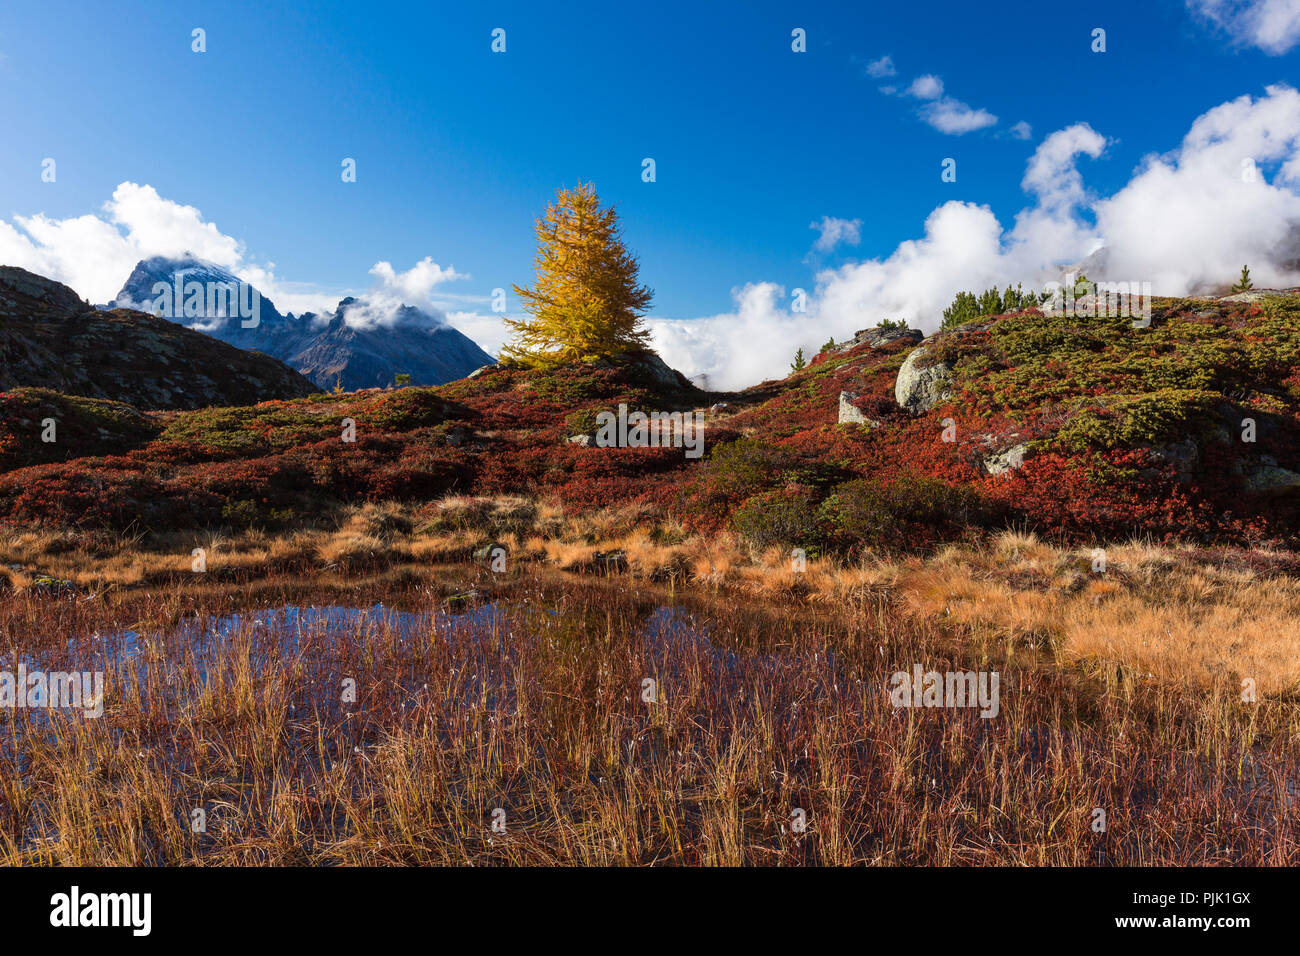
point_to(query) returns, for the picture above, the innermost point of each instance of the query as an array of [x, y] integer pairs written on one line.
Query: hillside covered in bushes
[[1084, 428]]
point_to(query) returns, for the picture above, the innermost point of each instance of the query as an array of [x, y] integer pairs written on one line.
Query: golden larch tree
[[586, 302]]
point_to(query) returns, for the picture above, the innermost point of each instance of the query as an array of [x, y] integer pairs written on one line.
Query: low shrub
[[909, 512], [786, 517]]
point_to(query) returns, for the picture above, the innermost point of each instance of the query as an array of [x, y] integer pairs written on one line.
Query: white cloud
[[1271, 25], [167, 228], [1196, 215], [1185, 222], [1051, 173], [945, 113], [383, 304], [835, 231], [955, 118], [417, 283], [927, 87], [755, 342], [882, 67], [94, 254], [1022, 130], [488, 330]]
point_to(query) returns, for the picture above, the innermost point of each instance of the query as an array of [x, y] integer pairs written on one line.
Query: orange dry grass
[[1151, 611], [763, 708], [1156, 611]]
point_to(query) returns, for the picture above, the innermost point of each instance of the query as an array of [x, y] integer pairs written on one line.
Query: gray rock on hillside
[[1271, 479], [1251, 295], [43, 295], [651, 367], [851, 414], [878, 337], [1006, 461], [1182, 456], [922, 383]]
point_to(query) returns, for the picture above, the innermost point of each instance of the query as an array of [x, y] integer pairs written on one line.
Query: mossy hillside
[[280, 425], [1120, 386], [81, 427]]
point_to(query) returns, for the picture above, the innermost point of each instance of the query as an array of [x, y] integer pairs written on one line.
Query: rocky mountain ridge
[[349, 347], [50, 338]]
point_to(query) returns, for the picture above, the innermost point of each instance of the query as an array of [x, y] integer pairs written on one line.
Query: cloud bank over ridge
[[1186, 221]]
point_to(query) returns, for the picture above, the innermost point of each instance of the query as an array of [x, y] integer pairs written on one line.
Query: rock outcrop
[[851, 414], [1006, 461], [50, 338], [1268, 478], [1182, 457], [922, 383], [650, 368], [877, 337], [1251, 295]]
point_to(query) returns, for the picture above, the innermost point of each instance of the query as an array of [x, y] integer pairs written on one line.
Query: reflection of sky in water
[[675, 640], [282, 631], [481, 639], [292, 623]]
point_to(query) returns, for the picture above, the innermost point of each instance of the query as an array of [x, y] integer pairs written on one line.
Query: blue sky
[[459, 148]]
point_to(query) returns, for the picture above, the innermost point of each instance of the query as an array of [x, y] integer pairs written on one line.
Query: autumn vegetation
[[1124, 593], [587, 303], [521, 691]]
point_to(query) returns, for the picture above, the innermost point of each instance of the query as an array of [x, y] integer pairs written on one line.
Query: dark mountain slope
[[50, 338]]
